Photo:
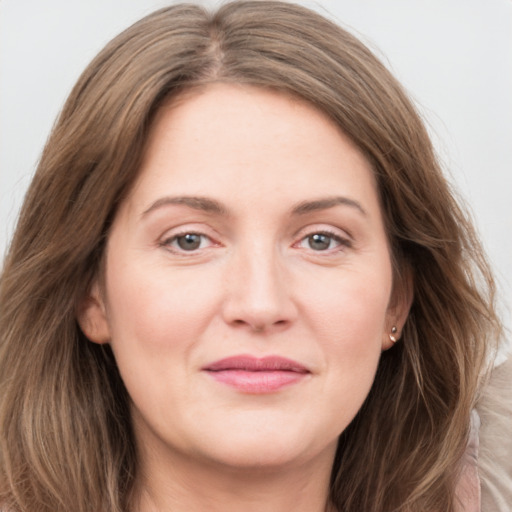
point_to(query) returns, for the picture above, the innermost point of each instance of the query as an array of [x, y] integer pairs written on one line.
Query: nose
[[258, 294]]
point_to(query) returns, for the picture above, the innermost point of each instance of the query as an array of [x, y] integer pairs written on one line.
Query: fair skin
[[254, 230]]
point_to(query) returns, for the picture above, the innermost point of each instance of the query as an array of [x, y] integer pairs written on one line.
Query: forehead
[[234, 141]]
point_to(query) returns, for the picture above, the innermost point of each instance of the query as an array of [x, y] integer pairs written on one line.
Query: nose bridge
[[258, 292]]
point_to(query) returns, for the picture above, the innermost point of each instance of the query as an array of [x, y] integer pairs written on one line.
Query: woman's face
[[247, 290]]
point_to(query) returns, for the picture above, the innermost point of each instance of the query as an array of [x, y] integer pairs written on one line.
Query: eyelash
[[169, 242], [341, 241]]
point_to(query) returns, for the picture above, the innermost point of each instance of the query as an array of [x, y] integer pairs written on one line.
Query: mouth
[[254, 375]]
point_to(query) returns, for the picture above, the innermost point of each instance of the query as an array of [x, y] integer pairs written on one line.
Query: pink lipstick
[[257, 375]]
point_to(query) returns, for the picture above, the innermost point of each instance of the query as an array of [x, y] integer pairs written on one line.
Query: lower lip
[[258, 382]]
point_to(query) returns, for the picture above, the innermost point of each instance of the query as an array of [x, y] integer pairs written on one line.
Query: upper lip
[[256, 364]]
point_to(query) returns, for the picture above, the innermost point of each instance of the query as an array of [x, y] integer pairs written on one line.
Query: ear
[[399, 307], [91, 316]]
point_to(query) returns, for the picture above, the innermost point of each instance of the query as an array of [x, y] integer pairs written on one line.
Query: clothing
[[495, 454], [485, 483]]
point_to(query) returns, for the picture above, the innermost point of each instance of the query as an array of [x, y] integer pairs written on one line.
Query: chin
[[260, 455], [267, 446]]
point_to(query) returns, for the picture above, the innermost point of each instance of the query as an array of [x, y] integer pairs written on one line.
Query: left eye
[[189, 241], [321, 241]]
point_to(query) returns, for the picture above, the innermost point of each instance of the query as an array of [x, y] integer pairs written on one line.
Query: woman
[[240, 281]]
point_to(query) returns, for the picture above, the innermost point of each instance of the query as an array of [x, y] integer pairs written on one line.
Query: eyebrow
[[204, 204], [326, 203], [208, 205]]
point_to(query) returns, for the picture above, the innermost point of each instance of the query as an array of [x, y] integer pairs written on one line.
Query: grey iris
[[319, 241], [189, 242]]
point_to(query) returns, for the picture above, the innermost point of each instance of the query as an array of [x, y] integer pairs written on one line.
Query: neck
[[184, 484]]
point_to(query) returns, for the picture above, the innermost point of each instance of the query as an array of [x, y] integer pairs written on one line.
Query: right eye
[[188, 242]]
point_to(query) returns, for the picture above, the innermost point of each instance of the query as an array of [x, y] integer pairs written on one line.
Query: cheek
[[156, 326], [350, 321], [353, 344], [153, 311], [351, 311]]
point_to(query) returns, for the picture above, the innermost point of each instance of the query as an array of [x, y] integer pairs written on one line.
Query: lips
[[257, 375]]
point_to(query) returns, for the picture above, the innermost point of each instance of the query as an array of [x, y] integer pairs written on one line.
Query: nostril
[[253, 326], [258, 327]]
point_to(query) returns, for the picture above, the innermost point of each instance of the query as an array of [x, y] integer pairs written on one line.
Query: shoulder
[[495, 454]]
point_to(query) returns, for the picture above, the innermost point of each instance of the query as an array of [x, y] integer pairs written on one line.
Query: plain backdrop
[[453, 56]]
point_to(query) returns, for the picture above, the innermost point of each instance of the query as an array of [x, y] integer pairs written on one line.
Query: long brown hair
[[65, 434]]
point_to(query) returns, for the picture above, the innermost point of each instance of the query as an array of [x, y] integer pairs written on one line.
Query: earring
[[392, 336]]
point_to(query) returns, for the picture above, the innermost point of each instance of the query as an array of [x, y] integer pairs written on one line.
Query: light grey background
[[453, 56]]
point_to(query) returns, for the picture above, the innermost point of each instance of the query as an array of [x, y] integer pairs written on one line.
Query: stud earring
[[392, 336]]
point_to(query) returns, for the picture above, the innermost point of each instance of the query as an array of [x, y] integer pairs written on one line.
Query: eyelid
[[171, 235], [341, 236], [177, 237], [319, 227]]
